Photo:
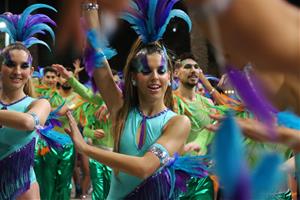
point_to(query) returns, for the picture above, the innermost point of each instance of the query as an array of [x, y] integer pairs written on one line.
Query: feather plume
[[23, 27], [150, 18]]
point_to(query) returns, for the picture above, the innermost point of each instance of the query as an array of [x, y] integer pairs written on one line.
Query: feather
[[253, 99], [23, 27], [169, 181], [24, 16], [39, 28], [93, 57], [31, 41], [10, 26], [229, 155], [175, 13], [267, 176], [289, 120], [149, 19]]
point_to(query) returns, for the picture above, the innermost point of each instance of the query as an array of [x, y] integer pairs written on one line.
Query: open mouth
[[193, 77], [154, 87]]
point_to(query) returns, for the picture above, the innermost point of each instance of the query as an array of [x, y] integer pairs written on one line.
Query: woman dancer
[[147, 133], [20, 113]]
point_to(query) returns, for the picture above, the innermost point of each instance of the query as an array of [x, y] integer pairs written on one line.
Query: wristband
[[36, 119], [90, 6], [161, 152]]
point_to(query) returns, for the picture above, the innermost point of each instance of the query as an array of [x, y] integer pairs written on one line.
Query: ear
[[31, 70], [176, 73]]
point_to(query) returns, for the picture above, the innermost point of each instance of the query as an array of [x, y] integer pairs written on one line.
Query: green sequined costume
[[100, 174], [54, 168], [197, 111]]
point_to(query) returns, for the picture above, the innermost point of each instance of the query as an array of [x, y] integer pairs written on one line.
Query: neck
[[187, 92], [150, 108], [9, 96]]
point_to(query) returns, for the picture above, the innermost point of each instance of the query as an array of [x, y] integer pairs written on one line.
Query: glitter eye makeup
[[9, 63], [141, 64]]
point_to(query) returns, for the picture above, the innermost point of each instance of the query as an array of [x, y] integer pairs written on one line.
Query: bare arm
[[173, 139], [110, 92], [265, 32], [24, 121]]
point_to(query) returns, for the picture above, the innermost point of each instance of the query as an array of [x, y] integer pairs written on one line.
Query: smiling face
[[50, 79], [188, 73], [16, 70], [152, 76]]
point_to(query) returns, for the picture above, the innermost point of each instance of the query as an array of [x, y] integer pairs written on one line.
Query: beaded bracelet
[[90, 6], [36, 119], [161, 152]]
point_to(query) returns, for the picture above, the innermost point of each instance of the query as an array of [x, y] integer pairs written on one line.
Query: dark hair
[[50, 69], [187, 55]]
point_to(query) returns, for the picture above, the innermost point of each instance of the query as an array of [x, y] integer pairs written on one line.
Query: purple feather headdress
[[149, 19], [23, 27]]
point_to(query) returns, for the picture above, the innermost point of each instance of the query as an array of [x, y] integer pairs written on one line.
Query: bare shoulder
[[177, 121], [41, 103]]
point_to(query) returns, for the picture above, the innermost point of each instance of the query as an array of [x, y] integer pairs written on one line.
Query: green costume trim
[[198, 112], [85, 92]]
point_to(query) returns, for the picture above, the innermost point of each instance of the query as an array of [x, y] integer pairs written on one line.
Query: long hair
[[130, 97], [28, 87]]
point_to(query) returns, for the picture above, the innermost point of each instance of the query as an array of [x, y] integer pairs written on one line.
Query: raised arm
[[103, 77], [173, 139], [79, 88], [25, 121], [265, 32]]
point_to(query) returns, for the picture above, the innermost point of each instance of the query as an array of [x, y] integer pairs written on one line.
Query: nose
[[17, 69], [155, 74]]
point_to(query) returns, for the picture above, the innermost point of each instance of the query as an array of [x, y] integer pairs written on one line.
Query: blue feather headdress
[[22, 28], [149, 18]]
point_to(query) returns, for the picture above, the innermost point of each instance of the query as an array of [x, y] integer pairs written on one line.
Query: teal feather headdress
[[23, 27], [149, 18]]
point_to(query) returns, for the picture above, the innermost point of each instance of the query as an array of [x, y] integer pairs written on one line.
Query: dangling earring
[[133, 82], [169, 84]]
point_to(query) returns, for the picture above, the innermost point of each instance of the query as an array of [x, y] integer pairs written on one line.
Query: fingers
[[68, 131], [217, 117], [72, 122], [212, 127]]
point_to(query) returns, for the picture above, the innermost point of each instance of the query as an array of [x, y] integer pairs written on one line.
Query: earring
[[133, 82], [170, 84]]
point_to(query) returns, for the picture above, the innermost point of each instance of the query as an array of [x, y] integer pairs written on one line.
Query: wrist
[[90, 5]]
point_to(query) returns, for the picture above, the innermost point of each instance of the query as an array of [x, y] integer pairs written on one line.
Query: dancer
[[147, 133], [197, 108], [94, 128], [20, 113]]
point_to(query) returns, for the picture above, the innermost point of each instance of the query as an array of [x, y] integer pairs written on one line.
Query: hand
[[102, 113], [63, 71], [258, 131], [192, 146], [75, 134], [99, 134], [77, 67]]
